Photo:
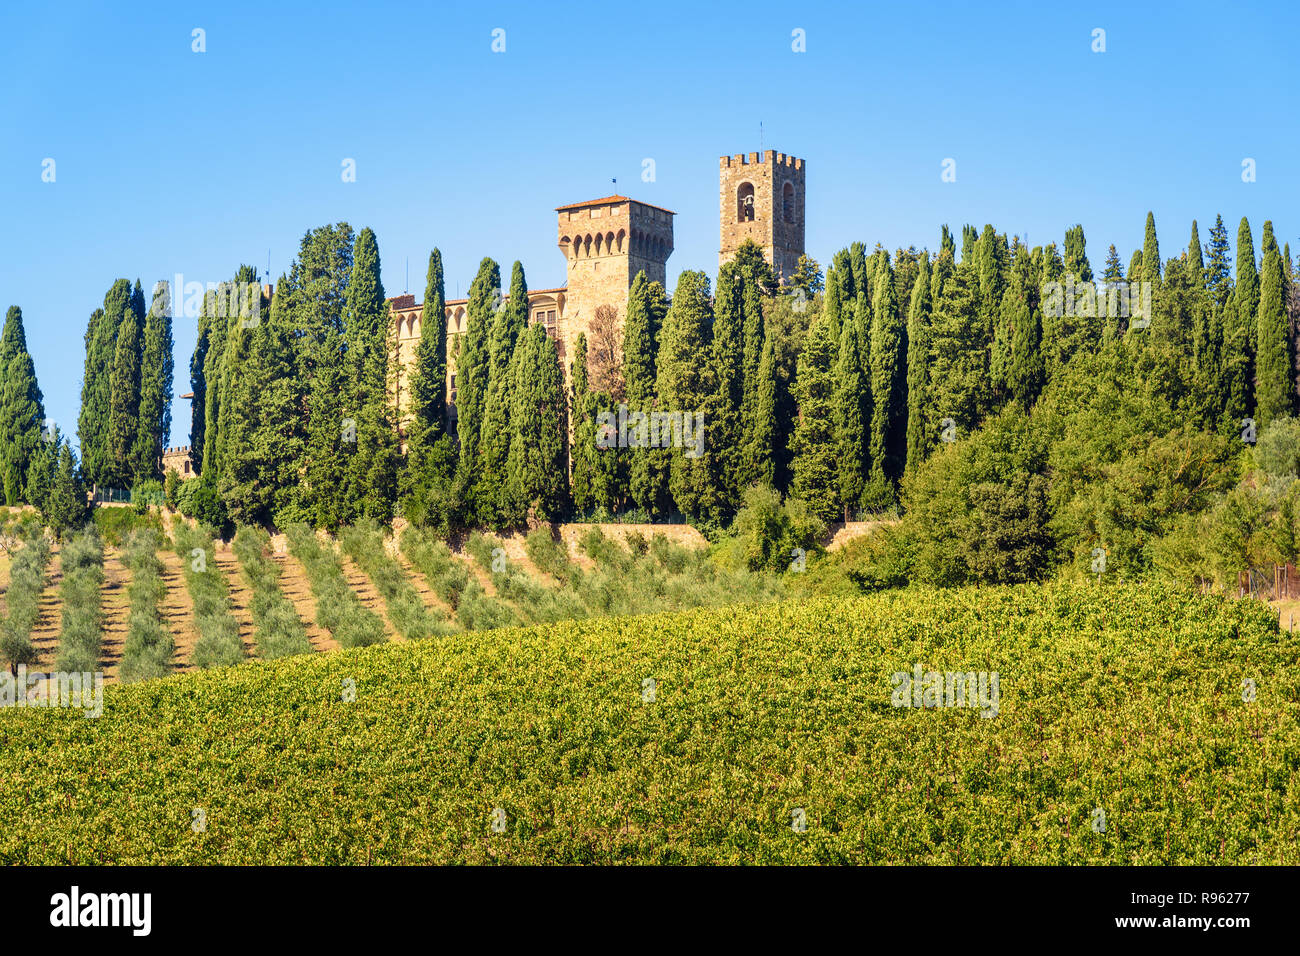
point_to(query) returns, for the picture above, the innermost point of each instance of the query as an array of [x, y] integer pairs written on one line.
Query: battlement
[[768, 157]]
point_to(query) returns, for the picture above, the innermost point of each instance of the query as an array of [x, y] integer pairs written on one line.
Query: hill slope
[[1125, 699]]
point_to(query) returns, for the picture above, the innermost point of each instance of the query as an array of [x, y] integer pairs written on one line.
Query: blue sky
[[170, 161]]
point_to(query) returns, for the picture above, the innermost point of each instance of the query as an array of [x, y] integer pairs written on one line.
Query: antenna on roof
[[406, 286], [268, 265], [760, 137]]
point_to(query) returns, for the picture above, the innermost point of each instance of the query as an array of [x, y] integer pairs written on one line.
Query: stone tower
[[761, 197], [606, 242]]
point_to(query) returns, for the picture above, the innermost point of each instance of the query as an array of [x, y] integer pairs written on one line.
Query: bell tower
[[761, 197]]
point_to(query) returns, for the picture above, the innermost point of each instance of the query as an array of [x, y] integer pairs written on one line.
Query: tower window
[[787, 203], [745, 203]]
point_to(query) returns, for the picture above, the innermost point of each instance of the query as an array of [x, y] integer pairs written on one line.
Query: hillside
[[1126, 699]]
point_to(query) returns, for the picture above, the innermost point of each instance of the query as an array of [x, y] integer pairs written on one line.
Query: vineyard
[[1135, 725]]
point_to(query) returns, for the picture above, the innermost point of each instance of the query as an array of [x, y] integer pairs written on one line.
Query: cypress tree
[[969, 236], [918, 361], [198, 389], [725, 424], [264, 437], [1247, 287], [319, 277], [647, 474], [96, 388], [1150, 254], [814, 466], [472, 373], [68, 508], [40, 472], [426, 424], [1026, 372], [124, 407], [687, 385], [888, 385], [585, 448], [1218, 270], [832, 304], [946, 243], [157, 370], [851, 400], [508, 323], [761, 433], [1194, 255], [370, 484], [22, 411], [1275, 349], [1135, 268], [536, 468], [429, 376], [1076, 258]]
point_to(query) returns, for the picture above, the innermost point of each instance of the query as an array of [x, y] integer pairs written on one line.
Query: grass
[[1125, 698], [279, 632]]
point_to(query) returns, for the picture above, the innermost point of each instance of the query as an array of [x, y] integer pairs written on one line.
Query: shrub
[[337, 608], [80, 593], [26, 581], [147, 494], [279, 631], [116, 524], [149, 648], [406, 609], [218, 644], [768, 533]]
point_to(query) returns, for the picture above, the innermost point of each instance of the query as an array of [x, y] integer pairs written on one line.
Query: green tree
[[68, 508], [918, 360], [157, 371], [124, 408], [537, 480], [22, 412], [472, 373], [888, 384], [686, 385], [1275, 349], [815, 469], [1150, 254]]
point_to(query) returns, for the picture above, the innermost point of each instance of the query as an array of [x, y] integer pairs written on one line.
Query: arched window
[[745, 203], [787, 202]]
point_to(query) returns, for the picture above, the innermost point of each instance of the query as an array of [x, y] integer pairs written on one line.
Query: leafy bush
[[117, 524], [406, 609], [1277, 449], [147, 494], [198, 499], [452, 581], [26, 581], [81, 637], [337, 608], [447, 577], [218, 644], [768, 534], [149, 649], [279, 631]]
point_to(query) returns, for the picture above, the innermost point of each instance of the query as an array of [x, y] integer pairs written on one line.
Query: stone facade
[[606, 242], [761, 197], [179, 460]]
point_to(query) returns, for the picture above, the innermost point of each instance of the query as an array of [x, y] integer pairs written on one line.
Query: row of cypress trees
[[37, 464], [291, 418], [126, 392]]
